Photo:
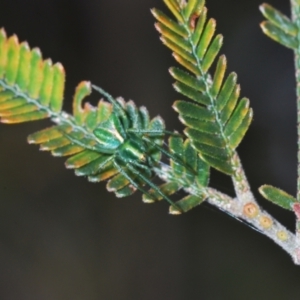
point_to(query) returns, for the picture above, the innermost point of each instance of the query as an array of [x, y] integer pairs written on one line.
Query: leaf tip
[[3, 32], [146, 199], [262, 7], [153, 12], [60, 67], [175, 106], [157, 27], [174, 211]]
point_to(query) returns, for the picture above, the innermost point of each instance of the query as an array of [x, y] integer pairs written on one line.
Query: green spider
[[132, 146]]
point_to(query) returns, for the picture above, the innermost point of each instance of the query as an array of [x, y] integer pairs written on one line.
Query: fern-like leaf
[[279, 27], [31, 88], [216, 120]]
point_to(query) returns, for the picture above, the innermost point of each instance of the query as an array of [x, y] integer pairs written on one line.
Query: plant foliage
[[216, 120], [118, 142], [31, 88], [283, 30], [115, 141], [279, 27]]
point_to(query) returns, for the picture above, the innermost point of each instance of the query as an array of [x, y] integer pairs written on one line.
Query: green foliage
[[279, 27], [216, 120], [277, 196]]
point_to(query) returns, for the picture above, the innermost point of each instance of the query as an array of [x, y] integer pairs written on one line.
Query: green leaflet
[[217, 121], [279, 27], [218, 76], [117, 182], [191, 93], [176, 148], [226, 91], [187, 56], [36, 74], [55, 143], [187, 79], [187, 64], [174, 8], [212, 52], [188, 203], [13, 56], [278, 35], [81, 159], [169, 23], [278, 19], [206, 37], [197, 112], [241, 110], [277, 196], [168, 189], [93, 167], [66, 150], [47, 134], [200, 125], [173, 36], [199, 26], [22, 79]]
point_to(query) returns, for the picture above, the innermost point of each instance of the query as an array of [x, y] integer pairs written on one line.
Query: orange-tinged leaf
[[58, 87], [26, 117], [81, 159], [3, 52], [13, 57], [83, 89], [36, 73], [23, 75], [47, 84]]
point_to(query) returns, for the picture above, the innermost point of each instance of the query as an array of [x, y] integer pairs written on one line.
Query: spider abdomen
[[133, 149]]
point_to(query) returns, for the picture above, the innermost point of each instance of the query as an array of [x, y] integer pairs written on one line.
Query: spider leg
[[140, 165], [113, 102], [77, 142], [84, 145], [170, 155], [146, 180], [157, 133]]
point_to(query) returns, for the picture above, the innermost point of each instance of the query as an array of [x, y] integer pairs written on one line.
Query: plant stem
[[244, 208], [247, 208], [295, 7]]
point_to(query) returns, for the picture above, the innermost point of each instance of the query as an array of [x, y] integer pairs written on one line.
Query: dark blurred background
[[62, 237]]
